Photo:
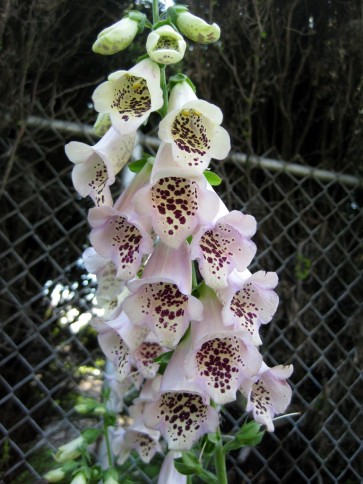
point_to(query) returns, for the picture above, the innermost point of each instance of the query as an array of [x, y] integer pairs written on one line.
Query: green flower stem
[[164, 88], [194, 276], [220, 461], [108, 445], [189, 479], [155, 11]]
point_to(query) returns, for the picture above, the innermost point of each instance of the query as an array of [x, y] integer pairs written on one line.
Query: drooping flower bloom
[[119, 233], [197, 29], [269, 395], [168, 473], [130, 96], [165, 46], [176, 206], [219, 358], [136, 437], [250, 301], [161, 298], [96, 166], [118, 36], [223, 246], [194, 131]]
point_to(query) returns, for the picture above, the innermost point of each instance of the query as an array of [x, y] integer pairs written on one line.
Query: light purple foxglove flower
[[176, 206], [168, 473], [250, 301], [179, 410], [96, 166], [136, 437], [130, 96], [194, 131], [219, 358], [161, 299], [269, 395], [119, 233], [223, 246]]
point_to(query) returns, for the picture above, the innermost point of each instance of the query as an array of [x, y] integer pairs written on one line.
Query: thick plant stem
[[220, 462], [155, 11]]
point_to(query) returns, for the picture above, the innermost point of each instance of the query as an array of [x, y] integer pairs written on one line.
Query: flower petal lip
[[130, 96], [165, 46], [223, 247]]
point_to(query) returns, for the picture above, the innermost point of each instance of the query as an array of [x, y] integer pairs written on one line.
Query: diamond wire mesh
[[309, 231]]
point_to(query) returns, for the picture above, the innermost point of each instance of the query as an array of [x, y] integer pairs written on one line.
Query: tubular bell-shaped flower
[[130, 96], [223, 246], [195, 132], [176, 206], [182, 416], [219, 359], [136, 437], [269, 395], [250, 301], [165, 46], [119, 234], [161, 298], [96, 166]]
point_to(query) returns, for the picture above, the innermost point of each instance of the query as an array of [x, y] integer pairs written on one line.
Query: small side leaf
[[138, 165], [248, 436], [213, 178]]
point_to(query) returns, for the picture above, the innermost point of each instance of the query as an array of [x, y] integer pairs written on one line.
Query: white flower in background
[[165, 46], [118, 36], [197, 29], [130, 96], [96, 166]]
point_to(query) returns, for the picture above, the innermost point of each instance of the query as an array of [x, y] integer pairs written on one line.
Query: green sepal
[[248, 436], [161, 23], [163, 361], [137, 166], [188, 464], [109, 419], [173, 12], [212, 178], [142, 57], [91, 435], [69, 466], [177, 78], [207, 476], [140, 18]]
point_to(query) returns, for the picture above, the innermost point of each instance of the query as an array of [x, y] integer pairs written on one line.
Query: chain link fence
[[310, 229]]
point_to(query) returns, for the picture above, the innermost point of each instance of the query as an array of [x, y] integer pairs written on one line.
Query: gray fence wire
[[310, 229]]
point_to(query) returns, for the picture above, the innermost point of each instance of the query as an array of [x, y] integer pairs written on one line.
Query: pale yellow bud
[[116, 38], [197, 29]]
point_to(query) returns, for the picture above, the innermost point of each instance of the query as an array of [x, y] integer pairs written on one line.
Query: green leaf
[[213, 437], [188, 464], [138, 165], [248, 436], [180, 78], [183, 468], [213, 178]]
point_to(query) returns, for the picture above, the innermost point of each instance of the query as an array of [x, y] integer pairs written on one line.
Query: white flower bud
[[165, 46], [197, 29], [117, 37], [79, 478], [69, 451], [55, 475]]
